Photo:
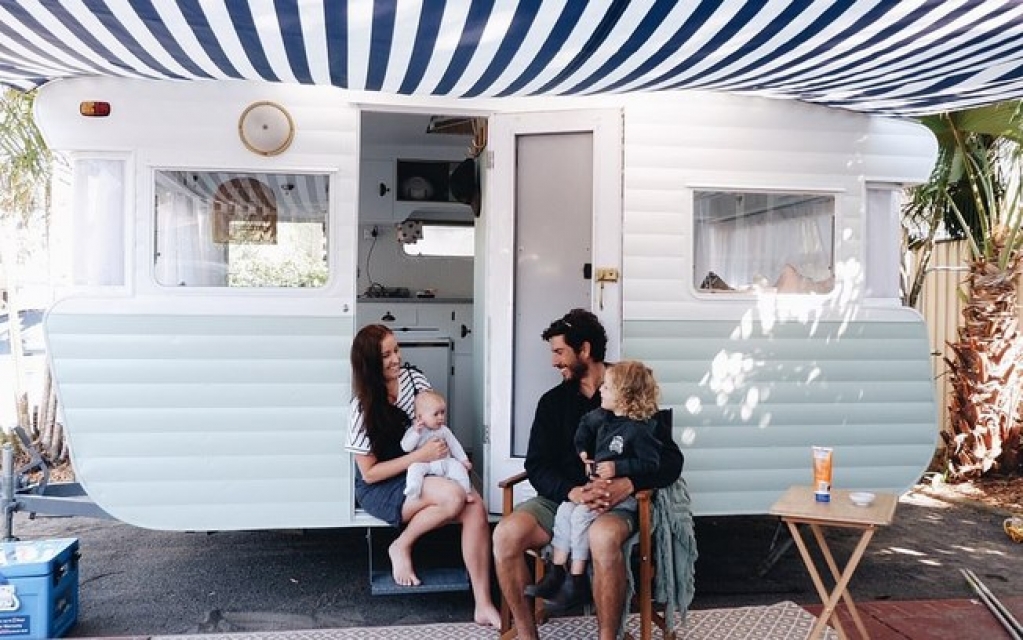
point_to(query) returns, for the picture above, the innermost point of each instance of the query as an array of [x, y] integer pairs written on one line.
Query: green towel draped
[[674, 546]]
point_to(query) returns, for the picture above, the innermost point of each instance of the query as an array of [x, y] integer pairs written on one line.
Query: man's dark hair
[[579, 326]]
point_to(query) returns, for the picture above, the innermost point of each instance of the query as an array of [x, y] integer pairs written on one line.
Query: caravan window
[[97, 224], [776, 241], [225, 229], [437, 239]]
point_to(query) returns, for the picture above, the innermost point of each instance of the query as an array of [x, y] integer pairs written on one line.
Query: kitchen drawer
[[392, 315]]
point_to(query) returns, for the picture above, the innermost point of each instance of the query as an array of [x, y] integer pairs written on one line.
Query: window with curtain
[[98, 222], [746, 240], [226, 229]]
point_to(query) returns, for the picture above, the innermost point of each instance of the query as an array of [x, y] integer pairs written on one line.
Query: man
[[578, 343]]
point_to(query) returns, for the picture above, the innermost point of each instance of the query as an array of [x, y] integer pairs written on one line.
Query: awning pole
[[997, 608]]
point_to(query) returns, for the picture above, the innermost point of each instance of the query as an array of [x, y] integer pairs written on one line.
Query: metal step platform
[[435, 579]]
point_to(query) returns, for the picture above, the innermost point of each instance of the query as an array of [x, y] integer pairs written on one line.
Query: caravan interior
[[227, 239]]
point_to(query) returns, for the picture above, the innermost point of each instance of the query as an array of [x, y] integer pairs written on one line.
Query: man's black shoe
[[574, 592]]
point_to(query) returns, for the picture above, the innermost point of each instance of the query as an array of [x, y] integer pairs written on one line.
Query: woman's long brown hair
[[384, 422]]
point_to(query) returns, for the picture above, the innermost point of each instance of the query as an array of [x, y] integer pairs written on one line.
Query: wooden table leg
[[841, 577], [822, 591], [850, 568]]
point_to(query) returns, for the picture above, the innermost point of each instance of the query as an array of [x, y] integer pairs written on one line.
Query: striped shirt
[[410, 382]]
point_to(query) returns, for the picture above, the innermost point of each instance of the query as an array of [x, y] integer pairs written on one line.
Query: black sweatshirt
[[552, 464], [631, 444]]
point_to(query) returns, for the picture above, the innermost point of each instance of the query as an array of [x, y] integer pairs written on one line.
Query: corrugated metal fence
[[942, 309]]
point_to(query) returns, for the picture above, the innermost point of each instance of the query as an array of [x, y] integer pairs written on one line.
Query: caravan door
[[554, 217]]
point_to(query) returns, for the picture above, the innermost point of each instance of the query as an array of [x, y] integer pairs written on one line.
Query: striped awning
[[907, 57]]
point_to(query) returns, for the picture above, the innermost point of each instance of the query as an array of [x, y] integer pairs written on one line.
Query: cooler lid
[[32, 557]]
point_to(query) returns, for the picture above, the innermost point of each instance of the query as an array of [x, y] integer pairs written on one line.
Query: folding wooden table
[[797, 506]]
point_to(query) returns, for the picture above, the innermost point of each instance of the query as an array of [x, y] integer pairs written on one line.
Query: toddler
[[618, 439]]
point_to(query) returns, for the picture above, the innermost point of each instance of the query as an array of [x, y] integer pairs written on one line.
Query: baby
[[431, 411]]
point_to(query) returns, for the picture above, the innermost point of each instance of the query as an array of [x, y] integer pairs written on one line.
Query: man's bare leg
[[607, 535], [513, 536]]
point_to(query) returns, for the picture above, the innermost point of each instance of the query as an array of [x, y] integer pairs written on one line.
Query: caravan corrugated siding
[[749, 407], [212, 420], [756, 382]]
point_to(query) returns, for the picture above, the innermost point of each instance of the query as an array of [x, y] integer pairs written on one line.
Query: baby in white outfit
[[431, 414]]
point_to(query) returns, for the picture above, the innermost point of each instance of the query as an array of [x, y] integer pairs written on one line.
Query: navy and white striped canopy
[[907, 57]]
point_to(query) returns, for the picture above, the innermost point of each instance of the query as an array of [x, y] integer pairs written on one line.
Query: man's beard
[[579, 370]]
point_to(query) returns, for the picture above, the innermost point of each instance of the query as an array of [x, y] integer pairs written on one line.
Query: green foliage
[[25, 160], [295, 260], [971, 141], [993, 174], [966, 140], [291, 271]]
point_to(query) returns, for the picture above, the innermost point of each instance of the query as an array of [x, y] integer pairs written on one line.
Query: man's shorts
[[544, 510]]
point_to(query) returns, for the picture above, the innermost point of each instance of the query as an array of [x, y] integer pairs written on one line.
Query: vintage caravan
[[228, 238]]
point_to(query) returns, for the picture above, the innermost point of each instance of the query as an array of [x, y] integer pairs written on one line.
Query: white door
[[553, 219]]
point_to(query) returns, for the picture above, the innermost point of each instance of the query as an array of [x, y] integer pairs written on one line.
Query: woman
[[382, 409]]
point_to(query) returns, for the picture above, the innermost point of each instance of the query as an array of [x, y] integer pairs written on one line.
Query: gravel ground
[[139, 582]]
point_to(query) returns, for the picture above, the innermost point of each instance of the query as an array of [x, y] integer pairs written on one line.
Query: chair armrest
[[508, 492], [513, 480], [645, 512]]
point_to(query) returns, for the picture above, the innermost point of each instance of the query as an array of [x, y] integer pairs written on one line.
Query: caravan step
[[434, 580]]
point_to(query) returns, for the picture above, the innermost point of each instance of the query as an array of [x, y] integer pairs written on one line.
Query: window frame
[[445, 256], [329, 233], [699, 276]]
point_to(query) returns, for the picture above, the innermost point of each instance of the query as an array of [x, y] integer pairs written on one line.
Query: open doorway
[[418, 206]]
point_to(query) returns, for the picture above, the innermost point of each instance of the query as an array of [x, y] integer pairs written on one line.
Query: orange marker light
[[94, 109]]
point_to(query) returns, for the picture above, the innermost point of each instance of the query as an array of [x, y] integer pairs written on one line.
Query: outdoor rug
[[782, 621]]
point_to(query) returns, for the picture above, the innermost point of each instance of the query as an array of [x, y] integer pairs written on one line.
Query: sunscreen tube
[[822, 474]]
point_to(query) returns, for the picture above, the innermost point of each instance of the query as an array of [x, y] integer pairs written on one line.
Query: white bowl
[[861, 498]]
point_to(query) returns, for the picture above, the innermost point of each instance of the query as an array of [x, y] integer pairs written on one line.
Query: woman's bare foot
[[487, 615], [401, 566]]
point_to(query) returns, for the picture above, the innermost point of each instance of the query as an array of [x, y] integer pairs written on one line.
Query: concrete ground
[[136, 582]]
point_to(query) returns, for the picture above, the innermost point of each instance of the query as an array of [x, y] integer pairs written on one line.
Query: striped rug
[[782, 621]]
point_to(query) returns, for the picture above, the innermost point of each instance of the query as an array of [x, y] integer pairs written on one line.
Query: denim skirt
[[382, 499]]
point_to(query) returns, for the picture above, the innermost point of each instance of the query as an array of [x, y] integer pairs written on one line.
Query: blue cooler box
[[38, 588]]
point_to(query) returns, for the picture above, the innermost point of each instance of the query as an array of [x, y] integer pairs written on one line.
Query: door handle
[[604, 275]]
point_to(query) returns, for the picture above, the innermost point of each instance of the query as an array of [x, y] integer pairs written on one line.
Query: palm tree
[[25, 167], [931, 206], [978, 195]]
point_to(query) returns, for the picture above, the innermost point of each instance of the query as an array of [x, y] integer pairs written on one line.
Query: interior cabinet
[[376, 192], [420, 328]]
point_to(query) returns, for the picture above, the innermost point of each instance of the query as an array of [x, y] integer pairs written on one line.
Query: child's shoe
[[548, 587]]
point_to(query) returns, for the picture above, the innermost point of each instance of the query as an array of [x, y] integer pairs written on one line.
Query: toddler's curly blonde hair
[[636, 389]]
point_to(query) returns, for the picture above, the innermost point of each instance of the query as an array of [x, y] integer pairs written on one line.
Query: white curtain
[[185, 252], [747, 238], [98, 223]]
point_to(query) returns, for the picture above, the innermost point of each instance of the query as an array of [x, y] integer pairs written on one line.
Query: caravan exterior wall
[[195, 406], [201, 406], [756, 375], [758, 378]]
